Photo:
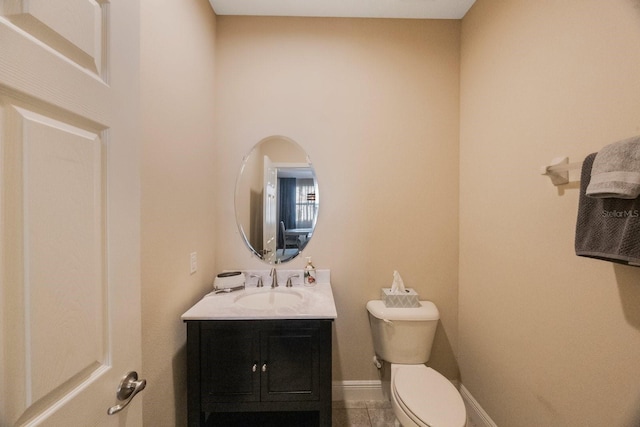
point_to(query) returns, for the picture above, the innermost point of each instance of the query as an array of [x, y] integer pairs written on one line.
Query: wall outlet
[[193, 258]]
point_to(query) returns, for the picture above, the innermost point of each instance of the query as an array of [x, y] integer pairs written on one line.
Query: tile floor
[[368, 413]]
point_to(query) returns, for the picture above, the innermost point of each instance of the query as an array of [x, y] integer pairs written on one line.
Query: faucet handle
[[289, 284], [259, 284]]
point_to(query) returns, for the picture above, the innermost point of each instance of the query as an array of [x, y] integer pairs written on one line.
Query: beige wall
[[178, 153], [546, 338], [375, 105]]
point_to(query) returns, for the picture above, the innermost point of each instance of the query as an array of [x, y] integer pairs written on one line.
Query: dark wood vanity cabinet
[[251, 368]]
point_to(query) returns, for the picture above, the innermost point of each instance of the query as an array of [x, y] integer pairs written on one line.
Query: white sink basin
[[269, 299]]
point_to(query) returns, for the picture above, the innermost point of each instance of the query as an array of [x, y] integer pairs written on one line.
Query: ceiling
[[415, 9]]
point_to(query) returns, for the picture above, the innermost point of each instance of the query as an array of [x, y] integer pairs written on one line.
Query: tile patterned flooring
[[368, 413]]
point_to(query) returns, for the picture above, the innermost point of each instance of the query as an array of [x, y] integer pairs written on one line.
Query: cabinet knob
[[254, 368], [264, 367]]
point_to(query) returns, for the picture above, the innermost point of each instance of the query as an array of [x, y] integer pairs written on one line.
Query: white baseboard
[[475, 413], [357, 390]]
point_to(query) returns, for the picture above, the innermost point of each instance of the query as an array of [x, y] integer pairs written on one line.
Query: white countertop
[[316, 303]]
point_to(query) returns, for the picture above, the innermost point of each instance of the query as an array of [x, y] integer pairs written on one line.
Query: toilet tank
[[403, 335]]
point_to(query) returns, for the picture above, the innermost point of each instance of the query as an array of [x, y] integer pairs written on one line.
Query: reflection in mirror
[[276, 199]]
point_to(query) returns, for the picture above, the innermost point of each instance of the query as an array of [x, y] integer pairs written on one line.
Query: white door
[[69, 211], [270, 222]]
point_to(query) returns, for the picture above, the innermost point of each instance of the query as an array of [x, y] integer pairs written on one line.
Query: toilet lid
[[429, 396]]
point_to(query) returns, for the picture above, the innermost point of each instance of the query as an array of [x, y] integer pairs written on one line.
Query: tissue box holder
[[407, 299]]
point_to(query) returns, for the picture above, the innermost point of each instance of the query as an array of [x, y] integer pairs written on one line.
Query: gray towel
[[616, 171], [607, 229]]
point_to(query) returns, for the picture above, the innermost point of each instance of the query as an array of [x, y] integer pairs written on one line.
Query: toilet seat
[[427, 397]]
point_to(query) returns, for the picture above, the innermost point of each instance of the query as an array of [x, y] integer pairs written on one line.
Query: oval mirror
[[276, 199]]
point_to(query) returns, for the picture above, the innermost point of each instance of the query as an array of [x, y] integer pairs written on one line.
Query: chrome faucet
[[274, 278], [259, 282], [289, 284]]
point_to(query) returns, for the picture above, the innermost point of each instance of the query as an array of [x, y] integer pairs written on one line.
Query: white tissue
[[398, 285]]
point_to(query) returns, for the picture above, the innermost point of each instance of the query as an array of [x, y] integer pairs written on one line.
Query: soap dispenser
[[309, 273]]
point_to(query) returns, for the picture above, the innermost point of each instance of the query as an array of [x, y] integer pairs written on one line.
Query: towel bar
[[558, 170]]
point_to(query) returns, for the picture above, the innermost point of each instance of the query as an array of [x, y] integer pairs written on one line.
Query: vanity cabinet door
[[291, 364], [229, 362]]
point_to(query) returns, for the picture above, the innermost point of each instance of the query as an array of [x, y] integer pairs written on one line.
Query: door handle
[[128, 388]]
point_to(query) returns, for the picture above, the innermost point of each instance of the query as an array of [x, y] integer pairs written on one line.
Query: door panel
[[31, 70], [69, 208], [78, 36], [270, 223], [63, 252]]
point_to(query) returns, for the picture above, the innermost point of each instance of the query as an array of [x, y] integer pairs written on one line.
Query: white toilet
[[420, 396]]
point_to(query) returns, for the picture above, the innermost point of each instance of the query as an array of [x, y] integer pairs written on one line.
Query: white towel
[[616, 171]]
